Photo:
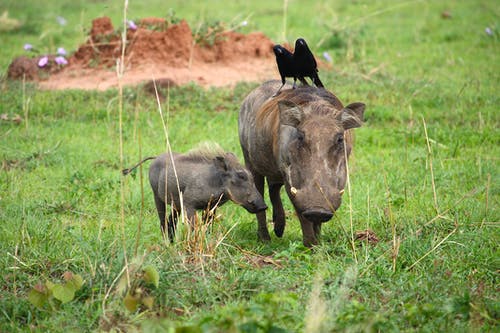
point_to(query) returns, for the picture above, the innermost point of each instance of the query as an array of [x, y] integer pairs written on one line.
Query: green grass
[[434, 269]]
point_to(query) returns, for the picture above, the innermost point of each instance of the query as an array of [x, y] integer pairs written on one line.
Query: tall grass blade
[[349, 193], [285, 14], [432, 250], [119, 73], [429, 156], [141, 213]]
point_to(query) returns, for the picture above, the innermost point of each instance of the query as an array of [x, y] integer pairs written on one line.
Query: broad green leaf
[[76, 282], [37, 298], [151, 276], [188, 329], [50, 285], [64, 293], [131, 302], [276, 329], [122, 285], [148, 301], [249, 327]]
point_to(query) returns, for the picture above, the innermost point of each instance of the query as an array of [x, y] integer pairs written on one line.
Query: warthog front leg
[[262, 231], [310, 231], [278, 211]]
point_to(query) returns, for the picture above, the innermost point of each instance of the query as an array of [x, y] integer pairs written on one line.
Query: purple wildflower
[[132, 25], [43, 61], [61, 51], [60, 60], [327, 57], [61, 20], [28, 47], [488, 31]]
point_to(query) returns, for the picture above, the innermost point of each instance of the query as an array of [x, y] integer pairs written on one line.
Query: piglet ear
[[352, 115], [290, 113], [220, 163]]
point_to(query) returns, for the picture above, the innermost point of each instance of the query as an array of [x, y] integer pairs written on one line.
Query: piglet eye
[[242, 176]]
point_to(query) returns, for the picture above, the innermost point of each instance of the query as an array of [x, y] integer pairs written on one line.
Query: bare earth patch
[[206, 75], [157, 51]]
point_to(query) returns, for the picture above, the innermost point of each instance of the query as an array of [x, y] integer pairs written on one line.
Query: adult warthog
[[301, 139]]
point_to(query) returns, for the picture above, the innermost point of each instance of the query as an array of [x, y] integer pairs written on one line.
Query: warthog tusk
[[293, 190], [341, 191]]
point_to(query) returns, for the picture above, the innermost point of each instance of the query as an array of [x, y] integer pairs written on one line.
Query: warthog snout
[[255, 206], [318, 215], [316, 204]]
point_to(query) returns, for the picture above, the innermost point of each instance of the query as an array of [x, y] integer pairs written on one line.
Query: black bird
[[305, 64], [286, 66]]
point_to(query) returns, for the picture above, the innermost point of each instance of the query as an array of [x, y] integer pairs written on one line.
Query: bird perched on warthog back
[[305, 63], [300, 139], [206, 176], [286, 66], [297, 65]]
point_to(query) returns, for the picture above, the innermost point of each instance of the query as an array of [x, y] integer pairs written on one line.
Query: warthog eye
[[242, 176], [300, 137], [339, 139]]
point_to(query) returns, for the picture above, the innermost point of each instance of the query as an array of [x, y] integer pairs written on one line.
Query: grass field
[[424, 177]]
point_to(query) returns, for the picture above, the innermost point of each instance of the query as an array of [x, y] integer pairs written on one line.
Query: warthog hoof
[[264, 236], [279, 227]]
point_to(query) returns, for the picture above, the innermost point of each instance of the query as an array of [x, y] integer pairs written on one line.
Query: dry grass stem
[[429, 152], [330, 205], [487, 190], [193, 44], [367, 223], [442, 215], [433, 249], [26, 102], [316, 314], [168, 149], [119, 72], [141, 178], [108, 292], [396, 241], [285, 13], [351, 224], [364, 18]]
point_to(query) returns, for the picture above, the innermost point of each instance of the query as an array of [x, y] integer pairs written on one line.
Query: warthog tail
[[129, 170]]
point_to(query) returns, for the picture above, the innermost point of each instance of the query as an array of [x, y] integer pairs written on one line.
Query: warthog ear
[[220, 163], [352, 115], [290, 113]]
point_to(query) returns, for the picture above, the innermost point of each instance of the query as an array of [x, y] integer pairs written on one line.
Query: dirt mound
[[27, 68], [156, 49], [23, 67]]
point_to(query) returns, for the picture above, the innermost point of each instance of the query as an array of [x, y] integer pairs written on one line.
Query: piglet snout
[[255, 206]]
